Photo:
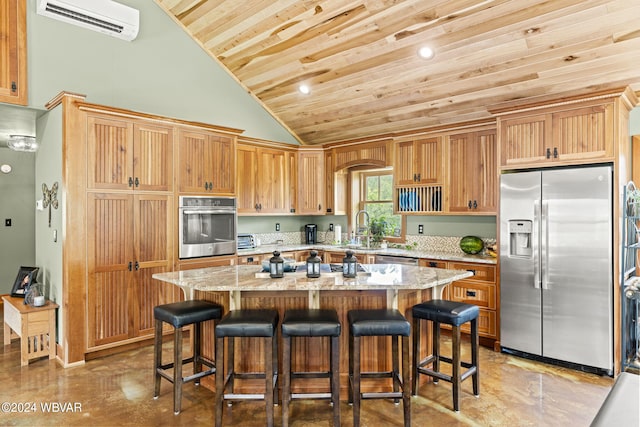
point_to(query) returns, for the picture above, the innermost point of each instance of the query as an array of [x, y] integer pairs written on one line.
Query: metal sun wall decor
[[50, 198]]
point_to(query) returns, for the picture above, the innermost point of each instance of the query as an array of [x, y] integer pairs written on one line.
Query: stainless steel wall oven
[[207, 226]]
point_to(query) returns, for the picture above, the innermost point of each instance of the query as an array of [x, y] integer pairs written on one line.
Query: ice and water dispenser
[[520, 238]]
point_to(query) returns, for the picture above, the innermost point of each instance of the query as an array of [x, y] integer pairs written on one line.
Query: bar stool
[[181, 314], [247, 323], [379, 322], [454, 314], [311, 323]]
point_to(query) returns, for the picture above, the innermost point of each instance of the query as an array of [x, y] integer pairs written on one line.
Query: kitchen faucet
[[360, 230]]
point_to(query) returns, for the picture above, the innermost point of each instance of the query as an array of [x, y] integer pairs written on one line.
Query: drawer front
[[38, 323], [433, 263], [251, 259], [481, 272], [487, 326], [480, 294]]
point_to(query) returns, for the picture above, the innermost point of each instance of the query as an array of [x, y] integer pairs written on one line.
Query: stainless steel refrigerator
[[556, 265]]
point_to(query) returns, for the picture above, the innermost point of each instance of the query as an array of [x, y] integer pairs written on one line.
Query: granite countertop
[[250, 278], [445, 256]]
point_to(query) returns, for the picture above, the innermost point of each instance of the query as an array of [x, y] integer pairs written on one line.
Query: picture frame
[[26, 276]]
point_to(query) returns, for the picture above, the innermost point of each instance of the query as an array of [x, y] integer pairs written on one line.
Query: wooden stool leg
[[455, 374], [406, 371], [395, 357], [436, 348], [474, 357], [286, 387], [416, 355], [268, 366], [350, 384], [335, 379], [220, 376], [356, 382], [177, 370], [197, 344], [274, 372], [157, 358]]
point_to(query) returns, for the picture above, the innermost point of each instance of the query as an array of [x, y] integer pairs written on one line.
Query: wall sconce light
[[22, 143]]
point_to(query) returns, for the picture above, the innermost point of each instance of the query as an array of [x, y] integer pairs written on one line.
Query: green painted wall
[[48, 169], [163, 71], [17, 203]]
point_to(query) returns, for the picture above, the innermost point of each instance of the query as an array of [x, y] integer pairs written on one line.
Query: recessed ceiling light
[[305, 89], [5, 168], [425, 52]]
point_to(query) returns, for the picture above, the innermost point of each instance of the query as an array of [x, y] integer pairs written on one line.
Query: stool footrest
[[381, 395], [310, 375], [310, 396], [161, 370]]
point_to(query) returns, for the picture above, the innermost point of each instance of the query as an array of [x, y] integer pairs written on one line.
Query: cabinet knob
[[14, 87], [433, 264], [471, 293]]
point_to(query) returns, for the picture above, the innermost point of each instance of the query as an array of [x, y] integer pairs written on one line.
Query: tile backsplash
[[425, 243]]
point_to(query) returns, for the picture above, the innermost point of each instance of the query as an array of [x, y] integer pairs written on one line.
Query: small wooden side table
[[35, 326]]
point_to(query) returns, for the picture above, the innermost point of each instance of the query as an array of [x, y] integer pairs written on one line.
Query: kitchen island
[[378, 286]]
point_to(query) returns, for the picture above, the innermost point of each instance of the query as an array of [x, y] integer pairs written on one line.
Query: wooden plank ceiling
[[359, 57]]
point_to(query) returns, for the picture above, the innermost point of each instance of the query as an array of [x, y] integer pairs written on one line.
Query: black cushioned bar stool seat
[[311, 323], [379, 322], [180, 314], [455, 314], [256, 323]]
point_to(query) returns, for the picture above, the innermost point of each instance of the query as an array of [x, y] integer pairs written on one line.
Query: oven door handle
[[207, 212]]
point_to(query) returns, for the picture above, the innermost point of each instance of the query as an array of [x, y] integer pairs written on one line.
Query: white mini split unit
[[105, 16]]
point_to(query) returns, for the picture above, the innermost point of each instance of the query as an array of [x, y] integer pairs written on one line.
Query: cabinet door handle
[[555, 152], [319, 207], [419, 178], [433, 264], [14, 87], [130, 182], [137, 266], [471, 293], [475, 204], [415, 177], [130, 266], [548, 153], [469, 204], [137, 182]]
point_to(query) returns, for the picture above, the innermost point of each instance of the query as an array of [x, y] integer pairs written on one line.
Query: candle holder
[[276, 266], [313, 265], [349, 265]]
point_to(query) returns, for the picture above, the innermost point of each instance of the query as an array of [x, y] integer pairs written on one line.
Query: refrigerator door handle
[[544, 245], [536, 244]]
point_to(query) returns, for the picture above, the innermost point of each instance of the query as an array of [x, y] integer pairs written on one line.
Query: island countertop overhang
[[386, 277]]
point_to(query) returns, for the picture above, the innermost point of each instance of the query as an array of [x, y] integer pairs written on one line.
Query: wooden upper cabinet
[[13, 51], [264, 180], [567, 136], [272, 181], [418, 162], [128, 155], [311, 183], [473, 174], [247, 200], [207, 162]]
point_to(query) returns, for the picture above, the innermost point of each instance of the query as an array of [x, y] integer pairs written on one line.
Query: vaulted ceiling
[[359, 57]]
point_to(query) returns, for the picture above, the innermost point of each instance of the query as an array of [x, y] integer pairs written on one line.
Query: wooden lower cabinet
[[481, 290], [130, 241]]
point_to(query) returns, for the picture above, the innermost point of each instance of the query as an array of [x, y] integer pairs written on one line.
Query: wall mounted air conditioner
[[105, 16]]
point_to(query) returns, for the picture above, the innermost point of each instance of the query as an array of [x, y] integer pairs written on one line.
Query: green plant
[[379, 228]]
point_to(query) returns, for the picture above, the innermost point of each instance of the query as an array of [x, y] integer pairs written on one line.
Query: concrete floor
[[118, 391]]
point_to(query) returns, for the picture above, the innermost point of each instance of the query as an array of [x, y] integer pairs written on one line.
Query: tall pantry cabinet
[[119, 192], [129, 216]]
